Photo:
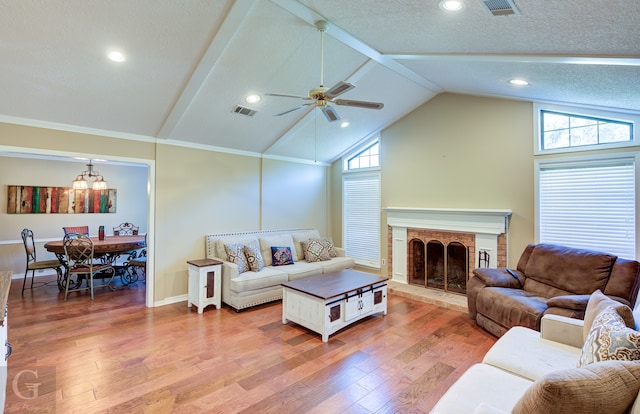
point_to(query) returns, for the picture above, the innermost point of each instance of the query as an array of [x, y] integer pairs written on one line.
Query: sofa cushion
[[253, 255], [219, 243], [482, 383], [235, 254], [583, 271], [605, 387], [524, 352], [281, 256], [267, 277], [336, 264], [624, 277], [301, 236], [511, 307], [599, 302], [300, 270], [610, 339], [276, 240]]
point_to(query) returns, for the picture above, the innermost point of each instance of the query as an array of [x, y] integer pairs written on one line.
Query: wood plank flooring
[[114, 355]]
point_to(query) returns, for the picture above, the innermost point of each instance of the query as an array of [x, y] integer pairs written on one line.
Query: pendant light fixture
[[80, 183]]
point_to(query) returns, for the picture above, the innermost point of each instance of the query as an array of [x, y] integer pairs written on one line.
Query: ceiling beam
[[506, 58], [341, 35], [230, 26]]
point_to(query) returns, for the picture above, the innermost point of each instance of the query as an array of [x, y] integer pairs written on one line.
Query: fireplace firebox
[[437, 265]]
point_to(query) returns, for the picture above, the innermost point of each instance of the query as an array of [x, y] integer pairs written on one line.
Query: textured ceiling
[[190, 63]]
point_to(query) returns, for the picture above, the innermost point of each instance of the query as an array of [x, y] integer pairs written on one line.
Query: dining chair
[[126, 229], [78, 249], [76, 230], [32, 262], [138, 260]]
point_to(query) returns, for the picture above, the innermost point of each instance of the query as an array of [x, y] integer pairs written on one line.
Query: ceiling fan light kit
[[322, 96]]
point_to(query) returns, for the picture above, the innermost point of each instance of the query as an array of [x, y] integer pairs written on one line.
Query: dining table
[[107, 250]]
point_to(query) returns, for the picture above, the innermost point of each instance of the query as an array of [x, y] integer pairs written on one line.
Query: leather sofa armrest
[[500, 278], [573, 302], [561, 329]]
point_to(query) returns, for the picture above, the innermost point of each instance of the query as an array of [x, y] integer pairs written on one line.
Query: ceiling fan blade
[[291, 110], [331, 114], [338, 89], [284, 95], [359, 104]]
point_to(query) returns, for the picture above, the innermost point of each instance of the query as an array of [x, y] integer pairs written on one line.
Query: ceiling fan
[[321, 96]]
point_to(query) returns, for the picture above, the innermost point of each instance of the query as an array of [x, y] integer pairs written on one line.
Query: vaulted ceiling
[[189, 64]]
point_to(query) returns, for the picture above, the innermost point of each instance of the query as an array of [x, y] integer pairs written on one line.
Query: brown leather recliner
[[548, 279]]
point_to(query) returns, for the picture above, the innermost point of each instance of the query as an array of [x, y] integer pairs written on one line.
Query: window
[[569, 129], [588, 203], [361, 217], [367, 158]]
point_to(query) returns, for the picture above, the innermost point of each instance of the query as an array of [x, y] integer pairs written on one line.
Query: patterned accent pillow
[[254, 257], [235, 254], [598, 302], [328, 241], [281, 256], [316, 250], [610, 339]]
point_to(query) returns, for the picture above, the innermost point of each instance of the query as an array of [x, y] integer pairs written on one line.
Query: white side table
[[205, 288]]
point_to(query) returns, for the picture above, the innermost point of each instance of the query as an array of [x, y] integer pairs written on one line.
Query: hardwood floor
[[114, 355]]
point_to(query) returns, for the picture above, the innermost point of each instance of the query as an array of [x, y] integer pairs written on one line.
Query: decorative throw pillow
[[610, 339], [281, 256], [316, 250], [254, 257], [598, 301], [328, 241], [605, 387], [235, 254]]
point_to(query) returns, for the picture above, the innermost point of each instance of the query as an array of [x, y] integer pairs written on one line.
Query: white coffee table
[[329, 302]]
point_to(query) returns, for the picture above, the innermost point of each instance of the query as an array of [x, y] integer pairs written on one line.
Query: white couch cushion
[[302, 236], [482, 383], [219, 250], [300, 270], [523, 352], [267, 277], [336, 264], [276, 240]]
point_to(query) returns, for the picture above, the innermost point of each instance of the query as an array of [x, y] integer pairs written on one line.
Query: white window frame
[[374, 260], [588, 112], [358, 174], [585, 160], [360, 148]]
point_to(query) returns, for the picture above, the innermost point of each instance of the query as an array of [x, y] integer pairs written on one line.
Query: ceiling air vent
[[244, 111], [501, 7]]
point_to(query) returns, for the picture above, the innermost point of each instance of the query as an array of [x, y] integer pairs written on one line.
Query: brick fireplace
[[439, 248]]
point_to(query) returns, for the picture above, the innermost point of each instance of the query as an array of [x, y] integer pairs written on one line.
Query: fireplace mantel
[[488, 221], [486, 224]]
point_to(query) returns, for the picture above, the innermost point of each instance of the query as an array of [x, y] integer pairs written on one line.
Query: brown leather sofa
[[549, 279]]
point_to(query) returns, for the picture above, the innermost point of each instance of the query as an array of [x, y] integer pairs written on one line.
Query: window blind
[[361, 218], [589, 205]]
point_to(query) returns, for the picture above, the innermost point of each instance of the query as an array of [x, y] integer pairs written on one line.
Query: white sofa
[[247, 289], [514, 363]]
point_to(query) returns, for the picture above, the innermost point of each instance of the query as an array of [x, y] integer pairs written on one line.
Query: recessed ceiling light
[[253, 99], [344, 124], [451, 5], [116, 56], [519, 82]]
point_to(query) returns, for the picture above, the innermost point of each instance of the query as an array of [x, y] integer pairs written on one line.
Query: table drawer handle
[[9, 350]]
